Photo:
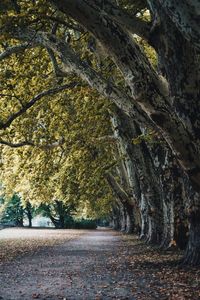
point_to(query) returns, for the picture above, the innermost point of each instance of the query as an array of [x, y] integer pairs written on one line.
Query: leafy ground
[[101, 264], [15, 242]]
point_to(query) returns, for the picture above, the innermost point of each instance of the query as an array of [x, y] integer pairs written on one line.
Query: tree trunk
[[192, 255], [130, 224], [144, 218], [30, 221], [20, 222], [123, 219], [29, 214], [116, 217]]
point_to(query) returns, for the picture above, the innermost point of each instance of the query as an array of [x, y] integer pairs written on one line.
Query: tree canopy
[[100, 108]]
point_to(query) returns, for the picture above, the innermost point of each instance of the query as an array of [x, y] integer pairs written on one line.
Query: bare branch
[[34, 100], [29, 143], [16, 145], [15, 49]]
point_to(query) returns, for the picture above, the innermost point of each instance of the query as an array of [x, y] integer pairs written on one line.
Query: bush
[[85, 224]]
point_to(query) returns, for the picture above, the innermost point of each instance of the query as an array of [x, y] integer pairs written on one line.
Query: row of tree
[[134, 156], [14, 212]]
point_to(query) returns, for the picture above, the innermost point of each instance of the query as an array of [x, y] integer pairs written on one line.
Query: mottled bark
[[144, 218]]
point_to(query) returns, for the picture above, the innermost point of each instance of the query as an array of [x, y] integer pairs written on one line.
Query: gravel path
[[85, 268]]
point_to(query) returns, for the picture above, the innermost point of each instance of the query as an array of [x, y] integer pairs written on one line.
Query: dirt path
[[96, 265], [84, 268]]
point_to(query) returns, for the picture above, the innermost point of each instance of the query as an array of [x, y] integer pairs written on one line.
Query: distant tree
[[59, 213], [15, 211], [12, 211]]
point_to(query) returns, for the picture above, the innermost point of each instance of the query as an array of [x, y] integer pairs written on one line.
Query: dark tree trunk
[[29, 214], [192, 255], [30, 221], [179, 63], [115, 217]]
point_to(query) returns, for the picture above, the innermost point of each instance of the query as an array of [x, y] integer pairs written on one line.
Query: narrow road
[[84, 268]]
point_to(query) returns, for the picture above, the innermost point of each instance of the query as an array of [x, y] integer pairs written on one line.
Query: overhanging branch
[[16, 145], [35, 100], [30, 143], [15, 49], [57, 70], [71, 61], [123, 18]]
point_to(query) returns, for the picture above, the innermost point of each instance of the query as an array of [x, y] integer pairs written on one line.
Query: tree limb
[[16, 145], [118, 190], [4, 125], [123, 18], [62, 22], [145, 84], [15, 49], [29, 143], [72, 63], [58, 72], [106, 138]]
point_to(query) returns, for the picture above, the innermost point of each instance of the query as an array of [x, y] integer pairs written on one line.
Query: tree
[[13, 211], [162, 95], [59, 213]]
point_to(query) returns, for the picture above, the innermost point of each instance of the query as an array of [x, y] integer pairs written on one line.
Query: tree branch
[[130, 22], [16, 145], [29, 143], [62, 22], [106, 139], [15, 49], [58, 72], [34, 100], [72, 62], [118, 190]]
